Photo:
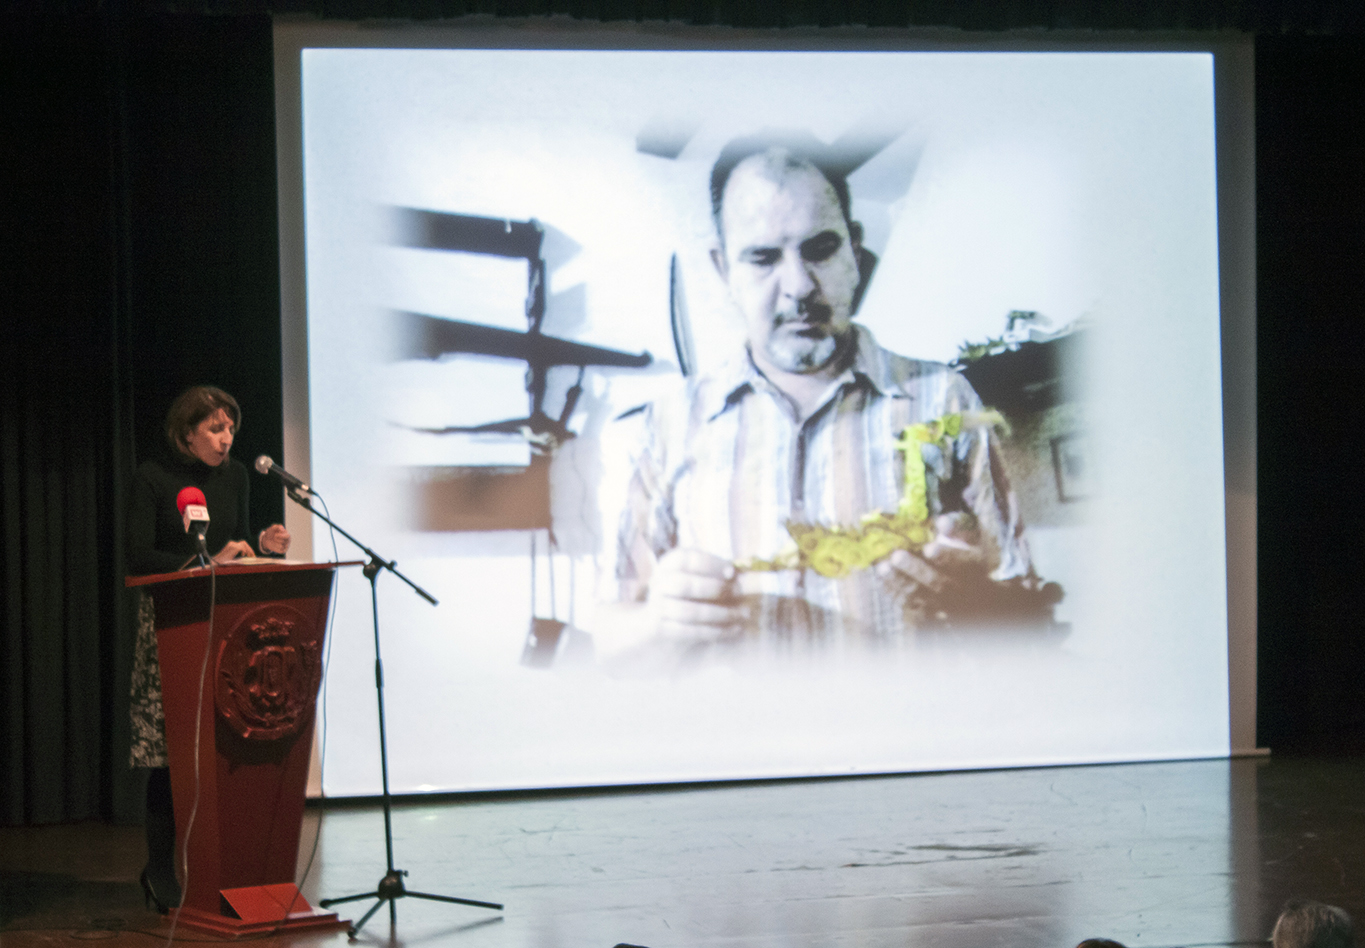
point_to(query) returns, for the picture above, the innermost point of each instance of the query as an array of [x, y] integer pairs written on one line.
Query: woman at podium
[[200, 426]]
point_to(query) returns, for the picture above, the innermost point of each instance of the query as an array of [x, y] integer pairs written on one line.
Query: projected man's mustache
[[810, 313]]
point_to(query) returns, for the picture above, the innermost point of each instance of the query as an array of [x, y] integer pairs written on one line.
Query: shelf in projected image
[[469, 473], [421, 336], [418, 336], [431, 405], [417, 447]]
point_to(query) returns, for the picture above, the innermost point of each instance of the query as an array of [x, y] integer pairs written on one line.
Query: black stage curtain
[[141, 252], [140, 247], [64, 424]]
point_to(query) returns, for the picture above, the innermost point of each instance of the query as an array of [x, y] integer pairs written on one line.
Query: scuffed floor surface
[[1195, 853]]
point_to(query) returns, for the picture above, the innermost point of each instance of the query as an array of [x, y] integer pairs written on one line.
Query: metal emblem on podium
[[269, 668]]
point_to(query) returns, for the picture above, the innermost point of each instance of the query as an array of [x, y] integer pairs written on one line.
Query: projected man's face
[[789, 260]]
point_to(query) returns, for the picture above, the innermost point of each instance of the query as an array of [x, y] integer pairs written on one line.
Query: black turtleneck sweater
[[157, 541]]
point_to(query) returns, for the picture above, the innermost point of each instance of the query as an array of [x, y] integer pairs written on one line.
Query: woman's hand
[[232, 550], [275, 539]]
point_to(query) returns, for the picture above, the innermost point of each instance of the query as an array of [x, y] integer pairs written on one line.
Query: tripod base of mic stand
[[390, 890]]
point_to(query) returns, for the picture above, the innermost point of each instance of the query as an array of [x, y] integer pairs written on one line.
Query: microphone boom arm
[[376, 562]]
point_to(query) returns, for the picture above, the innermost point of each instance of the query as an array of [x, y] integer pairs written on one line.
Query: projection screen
[[506, 295]]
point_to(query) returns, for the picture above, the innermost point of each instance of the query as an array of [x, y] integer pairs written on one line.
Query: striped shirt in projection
[[724, 464]]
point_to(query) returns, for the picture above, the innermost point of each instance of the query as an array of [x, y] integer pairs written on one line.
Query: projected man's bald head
[[788, 253]]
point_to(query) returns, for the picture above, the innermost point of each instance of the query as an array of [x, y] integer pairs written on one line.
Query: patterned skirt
[[149, 721]]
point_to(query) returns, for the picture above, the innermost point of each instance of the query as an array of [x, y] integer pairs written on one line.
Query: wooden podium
[[263, 645]]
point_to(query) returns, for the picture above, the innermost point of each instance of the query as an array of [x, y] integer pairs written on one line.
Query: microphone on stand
[[194, 511], [265, 465]]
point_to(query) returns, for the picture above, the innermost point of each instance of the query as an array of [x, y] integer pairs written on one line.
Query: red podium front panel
[[239, 686]]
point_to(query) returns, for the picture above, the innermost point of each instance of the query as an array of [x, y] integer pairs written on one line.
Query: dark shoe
[[159, 884], [163, 895]]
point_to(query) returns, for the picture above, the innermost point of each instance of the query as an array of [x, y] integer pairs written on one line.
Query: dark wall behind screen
[[1310, 240], [140, 255]]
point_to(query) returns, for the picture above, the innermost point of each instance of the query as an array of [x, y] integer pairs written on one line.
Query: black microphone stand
[[391, 887]]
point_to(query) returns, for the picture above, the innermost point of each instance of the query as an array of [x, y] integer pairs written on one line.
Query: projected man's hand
[[692, 597], [949, 581], [948, 567]]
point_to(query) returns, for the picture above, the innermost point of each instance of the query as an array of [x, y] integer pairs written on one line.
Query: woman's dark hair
[[192, 406]]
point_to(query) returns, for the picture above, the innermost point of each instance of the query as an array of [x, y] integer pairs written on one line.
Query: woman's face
[[211, 439]]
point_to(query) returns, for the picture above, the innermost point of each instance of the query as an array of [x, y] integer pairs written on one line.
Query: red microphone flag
[[193, 508], [189, 495]]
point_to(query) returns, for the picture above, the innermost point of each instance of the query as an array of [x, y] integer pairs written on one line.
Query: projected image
[[868, 399], [884, 473]]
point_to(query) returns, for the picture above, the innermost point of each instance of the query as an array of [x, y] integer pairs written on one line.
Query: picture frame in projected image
[[1004, 499]]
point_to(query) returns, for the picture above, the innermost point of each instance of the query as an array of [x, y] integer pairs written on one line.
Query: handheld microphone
[[194, 511], [265, 465]]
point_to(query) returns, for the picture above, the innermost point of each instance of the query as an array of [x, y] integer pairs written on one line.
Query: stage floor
[[1192, 853]]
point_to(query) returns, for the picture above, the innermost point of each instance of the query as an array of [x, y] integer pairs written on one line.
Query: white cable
[[321, 717], [322, 749], [198, 721]]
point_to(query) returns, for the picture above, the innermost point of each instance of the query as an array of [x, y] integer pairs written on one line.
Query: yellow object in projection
[[839, 550]]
